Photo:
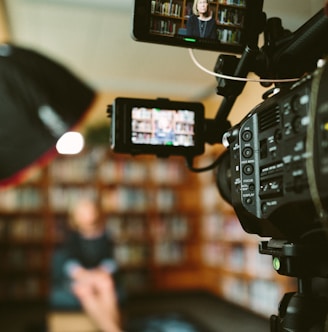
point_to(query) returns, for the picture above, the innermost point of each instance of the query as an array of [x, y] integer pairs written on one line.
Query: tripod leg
[[276, 321]]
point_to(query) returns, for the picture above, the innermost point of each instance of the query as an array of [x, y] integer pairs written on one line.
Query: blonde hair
[[195, 10], [76, 205]]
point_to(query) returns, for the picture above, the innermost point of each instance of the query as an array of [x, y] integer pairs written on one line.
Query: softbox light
[[40, 100]]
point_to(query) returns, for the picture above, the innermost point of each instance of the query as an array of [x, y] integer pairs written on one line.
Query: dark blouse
[[89, 252], [200, 28]]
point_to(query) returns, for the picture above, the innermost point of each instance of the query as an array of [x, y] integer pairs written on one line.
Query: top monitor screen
[[203, 24]]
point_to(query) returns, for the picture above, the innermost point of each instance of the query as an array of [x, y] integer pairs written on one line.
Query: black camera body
[[277, 162]]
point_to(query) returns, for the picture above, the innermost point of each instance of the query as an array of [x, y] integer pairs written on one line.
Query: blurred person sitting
[[84, 267]]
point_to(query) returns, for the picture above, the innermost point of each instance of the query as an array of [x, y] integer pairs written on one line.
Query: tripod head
[[302, 310]]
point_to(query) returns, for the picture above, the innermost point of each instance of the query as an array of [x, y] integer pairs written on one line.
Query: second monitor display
[[156, 126]]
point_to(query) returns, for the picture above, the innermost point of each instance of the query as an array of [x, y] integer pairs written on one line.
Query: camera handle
[[300, 311], [230, 65]]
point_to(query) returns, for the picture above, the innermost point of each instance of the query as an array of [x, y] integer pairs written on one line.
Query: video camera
[[274, 171], [264, 173]]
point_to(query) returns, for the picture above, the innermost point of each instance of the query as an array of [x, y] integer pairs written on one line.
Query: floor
[[214, 314], [210, 312]]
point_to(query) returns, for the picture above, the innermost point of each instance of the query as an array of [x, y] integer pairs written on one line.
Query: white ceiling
[[92, 37]]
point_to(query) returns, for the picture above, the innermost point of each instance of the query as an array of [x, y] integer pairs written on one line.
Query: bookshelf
[[170, 18], [171, 229], [24, 252], [143, 200]]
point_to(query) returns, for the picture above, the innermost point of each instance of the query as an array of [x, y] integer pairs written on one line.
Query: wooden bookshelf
[[170, 18], [24, 270]]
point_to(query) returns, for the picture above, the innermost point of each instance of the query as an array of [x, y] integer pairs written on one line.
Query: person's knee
[[82, 291], [105, 282]]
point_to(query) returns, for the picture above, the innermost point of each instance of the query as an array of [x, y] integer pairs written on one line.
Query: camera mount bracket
[[302, 310]]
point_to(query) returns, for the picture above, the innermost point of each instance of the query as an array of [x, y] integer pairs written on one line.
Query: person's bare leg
[[105, 319], [104, 287]]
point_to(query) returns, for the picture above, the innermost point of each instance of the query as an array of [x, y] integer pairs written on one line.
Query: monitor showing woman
[[201, 23]]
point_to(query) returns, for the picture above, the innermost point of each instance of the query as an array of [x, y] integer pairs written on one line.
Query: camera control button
[[264, 208], [248, 169], [247, 135], [249, 201], [247, 152], [251, 187]]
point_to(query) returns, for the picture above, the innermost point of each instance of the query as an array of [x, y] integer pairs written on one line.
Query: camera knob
[[229, 137]]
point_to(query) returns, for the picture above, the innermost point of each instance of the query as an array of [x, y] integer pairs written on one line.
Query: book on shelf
[[26, 229], [127, 227], [29, 198], [172, 227], [240, 3], [168, 8], [169, 252], [131, 254], [162, 26], [61, 198]]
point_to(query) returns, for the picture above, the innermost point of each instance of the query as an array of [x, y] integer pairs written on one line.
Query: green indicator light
[[192, 40], [276, 263]]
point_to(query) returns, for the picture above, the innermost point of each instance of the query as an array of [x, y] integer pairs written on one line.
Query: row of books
[[173, 227], [156, 172], [218, 226], [22, 289], [84, 169], [162, 253], [231, 16], [22, 229], [131, 254], [169, 8], [81, 168], [22, 259], [124, 199], [167, 252], [62, 198], [23, 199], [244, 259], [261, 296], [127, 227], [241, 3], [161, 26]]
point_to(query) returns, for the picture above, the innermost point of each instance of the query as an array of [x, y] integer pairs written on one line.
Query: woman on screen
[[202, 23]]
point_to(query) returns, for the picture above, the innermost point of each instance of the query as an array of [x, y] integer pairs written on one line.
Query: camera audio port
[[247, 152], [246, 135]]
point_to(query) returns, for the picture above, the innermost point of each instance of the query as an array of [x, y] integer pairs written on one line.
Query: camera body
[[277, 161], [157, 126]]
